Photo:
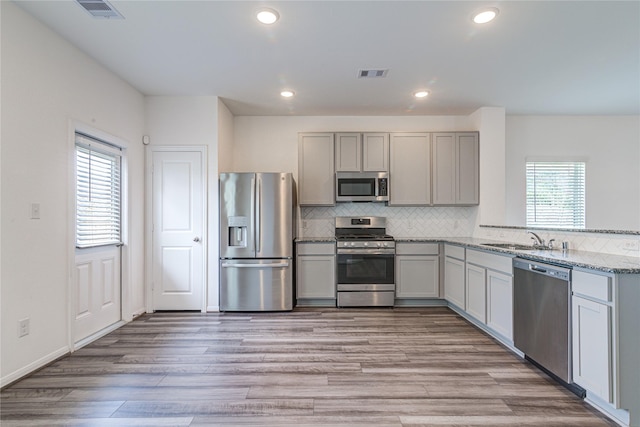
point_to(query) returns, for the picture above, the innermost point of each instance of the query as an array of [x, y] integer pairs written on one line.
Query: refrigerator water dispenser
[[238, 231]]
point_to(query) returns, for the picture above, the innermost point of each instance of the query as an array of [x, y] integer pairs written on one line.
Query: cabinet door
[[444, 168], [467, 168], [348, 152], [477, 292], [409, 169], [591, 323], [455, 168], [417, 276], [375, 152], [454, 281], [500, 303], [316, 276], [316, 179]]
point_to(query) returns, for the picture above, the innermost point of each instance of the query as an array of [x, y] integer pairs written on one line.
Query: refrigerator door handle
[[258, 213], [237, 265]]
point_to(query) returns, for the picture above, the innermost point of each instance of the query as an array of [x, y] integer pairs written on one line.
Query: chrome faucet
[[537, 241]]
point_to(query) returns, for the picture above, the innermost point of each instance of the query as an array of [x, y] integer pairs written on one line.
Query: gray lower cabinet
[[417, 270], [490, 291], [316, 274], [454, 275]]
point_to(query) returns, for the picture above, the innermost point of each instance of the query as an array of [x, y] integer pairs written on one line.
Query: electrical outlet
[[23, 327], [409, 224], [305, 224], [631, 245], [35, 210]]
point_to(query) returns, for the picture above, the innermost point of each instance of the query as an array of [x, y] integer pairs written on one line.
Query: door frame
[[148, 251], [75, 126]]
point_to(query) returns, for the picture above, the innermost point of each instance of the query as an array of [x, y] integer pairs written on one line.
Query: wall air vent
[[367, 74], [100, 9]]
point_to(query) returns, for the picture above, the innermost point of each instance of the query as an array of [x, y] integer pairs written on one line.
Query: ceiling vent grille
[[100, 9], [367, 74]]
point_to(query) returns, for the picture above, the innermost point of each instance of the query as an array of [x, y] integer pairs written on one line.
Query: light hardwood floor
[[309, 367]]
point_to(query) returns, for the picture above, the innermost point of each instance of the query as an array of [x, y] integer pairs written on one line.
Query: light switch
[[35, 210]]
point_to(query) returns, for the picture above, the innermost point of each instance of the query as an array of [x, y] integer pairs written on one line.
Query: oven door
[[373, 270]]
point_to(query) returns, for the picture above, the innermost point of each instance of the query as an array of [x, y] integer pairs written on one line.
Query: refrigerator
[[256, 241]]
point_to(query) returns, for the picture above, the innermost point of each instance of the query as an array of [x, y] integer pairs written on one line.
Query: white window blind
[[97, 193], [556, 194]]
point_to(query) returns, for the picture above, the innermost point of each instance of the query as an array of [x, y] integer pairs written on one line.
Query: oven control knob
[[385, 244], [366, 243], [353, 243], [379, 244]]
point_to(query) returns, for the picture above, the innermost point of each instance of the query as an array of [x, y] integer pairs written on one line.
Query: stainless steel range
[[365, 261]]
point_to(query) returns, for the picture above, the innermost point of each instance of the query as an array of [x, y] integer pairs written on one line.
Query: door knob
[[196, 239]]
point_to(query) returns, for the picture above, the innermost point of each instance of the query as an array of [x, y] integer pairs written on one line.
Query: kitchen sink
[[512, 246]]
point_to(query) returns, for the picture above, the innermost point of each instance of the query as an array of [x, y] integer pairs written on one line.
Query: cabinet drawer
[[494, 262], [454, 251], [417, 249], [313, 248], [591, 285]]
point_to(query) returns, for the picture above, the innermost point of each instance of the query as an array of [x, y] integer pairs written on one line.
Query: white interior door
[[178, 230]]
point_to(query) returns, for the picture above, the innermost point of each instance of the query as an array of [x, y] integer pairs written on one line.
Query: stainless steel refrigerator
[[256, 241]]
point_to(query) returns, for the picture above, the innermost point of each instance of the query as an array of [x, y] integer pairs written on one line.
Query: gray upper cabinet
[[455, 168], [375, 152], [410, 169], [348, 152], [356, 152], [316, 176]]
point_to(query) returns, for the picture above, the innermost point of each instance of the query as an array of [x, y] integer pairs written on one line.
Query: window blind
[[556, 194], [97, 193]]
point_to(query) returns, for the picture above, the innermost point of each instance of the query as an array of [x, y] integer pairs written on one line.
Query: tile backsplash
[[401, 221], [431, 222], [609, 243]]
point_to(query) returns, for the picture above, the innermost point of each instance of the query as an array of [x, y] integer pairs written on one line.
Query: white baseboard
[[33, 366], [213, 308], [91, 338]]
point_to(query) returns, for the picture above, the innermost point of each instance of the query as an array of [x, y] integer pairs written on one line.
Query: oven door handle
[[381, 251]]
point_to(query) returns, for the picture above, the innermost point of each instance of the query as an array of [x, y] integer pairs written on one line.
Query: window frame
[[111, 157], [564, 185]]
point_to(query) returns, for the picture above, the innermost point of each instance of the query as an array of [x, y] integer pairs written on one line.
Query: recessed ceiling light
[[267, 16], [421, 94], [287, 93], [485, 15]]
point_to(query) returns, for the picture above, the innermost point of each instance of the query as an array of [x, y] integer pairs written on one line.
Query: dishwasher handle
[[562, 273]]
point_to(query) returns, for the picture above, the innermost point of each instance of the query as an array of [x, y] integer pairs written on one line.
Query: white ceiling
[[537, 57]]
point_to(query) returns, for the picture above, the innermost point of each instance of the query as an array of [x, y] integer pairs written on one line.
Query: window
[[556, 194], [97, 193]]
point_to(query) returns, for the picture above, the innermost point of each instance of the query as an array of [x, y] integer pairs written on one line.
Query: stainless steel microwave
[[362, 187]]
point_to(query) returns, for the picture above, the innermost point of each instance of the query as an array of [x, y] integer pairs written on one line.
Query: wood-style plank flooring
[[309, 367]]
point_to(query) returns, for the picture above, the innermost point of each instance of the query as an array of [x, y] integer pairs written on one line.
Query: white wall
[[46, 85], [192, 120], [609, 144], [490, 122], [225, 138]]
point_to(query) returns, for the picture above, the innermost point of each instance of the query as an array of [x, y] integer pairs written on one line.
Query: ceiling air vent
[[100, 9], [366, 74]]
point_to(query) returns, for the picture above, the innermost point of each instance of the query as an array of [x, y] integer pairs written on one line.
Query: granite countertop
[[609, 263], [315, 239], [618, 264]]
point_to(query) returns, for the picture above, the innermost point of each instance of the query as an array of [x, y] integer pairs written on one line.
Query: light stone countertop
[[617, 264], [609, 263]]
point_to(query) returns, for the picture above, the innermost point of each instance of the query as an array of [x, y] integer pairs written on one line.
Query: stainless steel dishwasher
[[542, 317]]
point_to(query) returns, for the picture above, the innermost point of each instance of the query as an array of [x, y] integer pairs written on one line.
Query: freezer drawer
[[256, 285]]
